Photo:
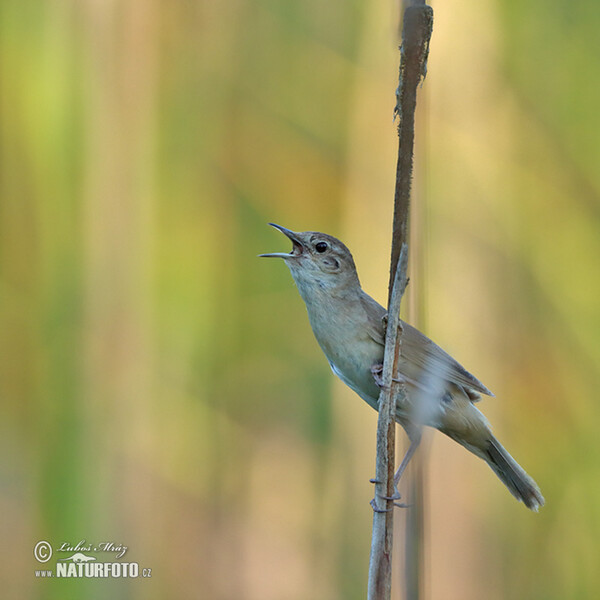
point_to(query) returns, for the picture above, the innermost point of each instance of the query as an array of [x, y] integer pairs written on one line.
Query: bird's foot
[[376, 371], [377, 509], [395, 496], [382, 510]]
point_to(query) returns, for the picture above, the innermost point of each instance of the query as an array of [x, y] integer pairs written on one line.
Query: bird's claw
[[377, 509], [376, 371], [396, 495], [382, 510]]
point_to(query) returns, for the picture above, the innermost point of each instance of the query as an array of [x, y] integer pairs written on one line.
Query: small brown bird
[[349, 326]]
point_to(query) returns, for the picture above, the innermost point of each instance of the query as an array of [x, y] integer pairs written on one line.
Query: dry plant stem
[[416, 33], [380, 565], [417, 25]]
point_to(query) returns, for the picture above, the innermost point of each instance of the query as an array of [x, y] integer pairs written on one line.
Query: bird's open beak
[[296, 250]]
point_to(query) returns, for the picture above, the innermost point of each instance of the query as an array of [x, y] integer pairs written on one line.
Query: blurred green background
[[160, 386]]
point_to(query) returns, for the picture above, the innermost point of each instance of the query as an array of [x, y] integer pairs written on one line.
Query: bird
[[349, 326]]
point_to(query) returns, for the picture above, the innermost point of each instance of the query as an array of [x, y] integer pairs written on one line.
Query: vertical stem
[[417, 26], [415, 532], [380, 565], [416, 33]]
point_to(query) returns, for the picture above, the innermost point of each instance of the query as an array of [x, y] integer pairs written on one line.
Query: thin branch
[[417, 25], [416, 33], [380, 565]]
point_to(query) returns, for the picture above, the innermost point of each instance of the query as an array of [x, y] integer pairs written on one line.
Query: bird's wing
[[375, 314], [420, 351]]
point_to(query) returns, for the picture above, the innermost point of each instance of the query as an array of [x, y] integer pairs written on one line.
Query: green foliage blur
[[160, 387]]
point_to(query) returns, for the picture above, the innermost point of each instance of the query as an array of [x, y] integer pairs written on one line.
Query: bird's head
[[317, 261]]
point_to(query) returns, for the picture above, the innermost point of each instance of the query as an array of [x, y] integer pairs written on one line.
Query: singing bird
[[349, 326]]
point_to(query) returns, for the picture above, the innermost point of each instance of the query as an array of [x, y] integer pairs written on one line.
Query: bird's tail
[[512, 475]]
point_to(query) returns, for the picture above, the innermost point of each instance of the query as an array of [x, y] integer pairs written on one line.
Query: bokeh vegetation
[[160, 385]]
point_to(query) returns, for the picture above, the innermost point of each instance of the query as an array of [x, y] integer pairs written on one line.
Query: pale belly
[[354, 368], [369, 398]]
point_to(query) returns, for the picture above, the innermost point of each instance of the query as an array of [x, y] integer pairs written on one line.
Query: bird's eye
[[321, 247]]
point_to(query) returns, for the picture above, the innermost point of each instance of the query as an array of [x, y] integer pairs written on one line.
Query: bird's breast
[[343, 336]]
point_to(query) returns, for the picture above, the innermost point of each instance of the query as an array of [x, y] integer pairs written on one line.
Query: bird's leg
[[414, 434], [414, 444], [415, 440]]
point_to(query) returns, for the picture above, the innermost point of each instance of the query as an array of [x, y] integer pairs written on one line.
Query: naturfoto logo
[[79, 562]]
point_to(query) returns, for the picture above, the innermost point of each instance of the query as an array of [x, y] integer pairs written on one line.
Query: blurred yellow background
[[160, 385]]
